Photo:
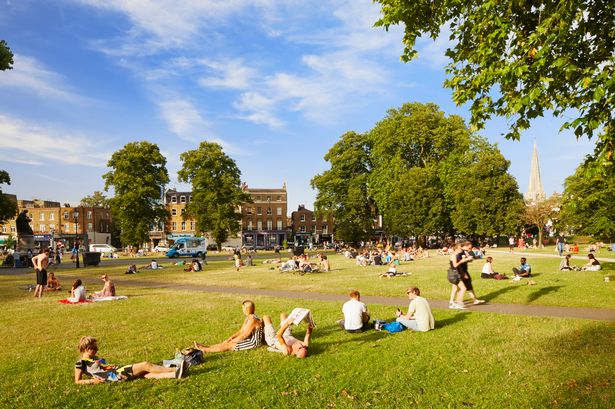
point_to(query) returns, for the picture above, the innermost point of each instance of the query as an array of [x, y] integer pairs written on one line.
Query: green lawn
[[472, 359]]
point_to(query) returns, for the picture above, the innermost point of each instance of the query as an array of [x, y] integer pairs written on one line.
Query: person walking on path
[[560, 242], [40, 264]]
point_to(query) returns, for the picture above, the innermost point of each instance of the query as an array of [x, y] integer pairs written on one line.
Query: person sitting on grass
[[524, 270], [356, 317], [195, 266], [77, 292], [488, 271], [249, 336], [592, 264], [564, 265], [53, 284], [419, 317], [108, 289], [97, 370], [324, 262], [283, 340]]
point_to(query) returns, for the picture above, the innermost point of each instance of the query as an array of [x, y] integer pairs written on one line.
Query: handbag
[[453, 276]]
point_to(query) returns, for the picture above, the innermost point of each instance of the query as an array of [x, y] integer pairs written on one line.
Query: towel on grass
[[110, 298], [68, 301]]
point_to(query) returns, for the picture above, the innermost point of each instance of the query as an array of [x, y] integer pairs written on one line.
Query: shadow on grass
[[329, 338], [450, 321], [590, 383], [543, 291], [490, 296]]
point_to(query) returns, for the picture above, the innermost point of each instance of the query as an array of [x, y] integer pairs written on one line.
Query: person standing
[[40, 263], [511, 243], [560, 242], [462, 259]]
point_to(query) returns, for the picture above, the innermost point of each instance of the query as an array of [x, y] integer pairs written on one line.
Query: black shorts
[[41, 277], [467, 282]]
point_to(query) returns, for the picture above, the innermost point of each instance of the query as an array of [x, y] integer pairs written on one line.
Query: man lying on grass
[[283, 341], [100, 371], [249, 336]]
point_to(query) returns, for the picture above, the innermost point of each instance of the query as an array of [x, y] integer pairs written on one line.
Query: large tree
[[343, 189], [6, 56], [587, 203], [216, 190], [138, 175], [96, 199], [520, 59], [8, 207], [538, 214]]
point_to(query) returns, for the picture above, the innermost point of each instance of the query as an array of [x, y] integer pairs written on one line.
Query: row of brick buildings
[[264, 222]]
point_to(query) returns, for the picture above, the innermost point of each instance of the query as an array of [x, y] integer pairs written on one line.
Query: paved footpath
[[600, 314]]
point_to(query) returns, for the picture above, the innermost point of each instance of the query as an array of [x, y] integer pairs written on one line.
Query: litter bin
[[298, 250], [91, 258]]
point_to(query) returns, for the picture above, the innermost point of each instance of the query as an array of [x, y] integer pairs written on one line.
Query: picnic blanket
[[110, 298], [67, 301], [299, 315]]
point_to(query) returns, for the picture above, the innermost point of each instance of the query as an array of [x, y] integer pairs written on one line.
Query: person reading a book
[[283, 340]]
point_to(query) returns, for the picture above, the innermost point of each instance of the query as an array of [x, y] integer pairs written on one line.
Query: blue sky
[[276, 82]]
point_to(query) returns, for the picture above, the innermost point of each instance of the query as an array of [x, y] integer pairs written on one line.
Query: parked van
[[102, 248], [188, 247]]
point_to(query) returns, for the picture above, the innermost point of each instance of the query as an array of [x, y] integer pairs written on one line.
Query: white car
[[103, 248], [161, 249]]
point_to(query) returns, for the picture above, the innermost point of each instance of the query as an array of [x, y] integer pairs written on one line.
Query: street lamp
[[76, 217]]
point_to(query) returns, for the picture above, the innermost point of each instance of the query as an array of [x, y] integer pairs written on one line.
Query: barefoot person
[[40, 264], [53, 284], [283, 341], [249, 336], [108, 289], [96, 370]]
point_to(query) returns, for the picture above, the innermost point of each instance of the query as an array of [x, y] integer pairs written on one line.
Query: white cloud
[[30, 75], [183, 119], [258, 109], [22, 142], [431, 52], [233, 74]]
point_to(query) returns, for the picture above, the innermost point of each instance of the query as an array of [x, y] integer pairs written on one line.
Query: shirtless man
[[249, 335], [40, 264], [283, 341]]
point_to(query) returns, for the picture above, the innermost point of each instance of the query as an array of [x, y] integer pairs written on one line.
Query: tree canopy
[[521, 59], [138, 175], [6, 56], [538, 214], [8, 207], [216, 190], [96, 199], [426, 173], [587, 203]]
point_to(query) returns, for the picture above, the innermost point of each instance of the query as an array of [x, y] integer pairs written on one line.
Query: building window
[[42, 217], [249, 225], [173, 212], [90, 227], [313, 228], [65, 215], [279, 198], [173, 199], [67, 227], [302, 229], [269, 211], [89, 215], [302, 218], [12, 229], [183, 226], [173, 226], [52, 216], [41, 228], [259, 210], [325, 229], [269, 198], [248, 210], [3, 229], [259, 225], [279, 211], [279, 227], [182, 199], [258, 199], [269, 225], [183, 211], [52, 227], [190, 198], [192, 226]]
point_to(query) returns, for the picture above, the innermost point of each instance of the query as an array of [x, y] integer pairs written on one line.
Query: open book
[[301, 314]]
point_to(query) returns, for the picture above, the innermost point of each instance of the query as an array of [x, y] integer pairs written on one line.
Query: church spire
[[535, 192]]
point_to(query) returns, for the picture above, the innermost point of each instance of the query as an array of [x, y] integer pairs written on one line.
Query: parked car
[[188, 247], [161, 249], [103, 248]]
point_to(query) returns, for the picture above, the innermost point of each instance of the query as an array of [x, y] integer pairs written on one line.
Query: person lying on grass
[[249, 336], [97, 370], [283, 341]]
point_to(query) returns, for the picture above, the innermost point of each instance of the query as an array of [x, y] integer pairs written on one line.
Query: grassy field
[[472, 359]]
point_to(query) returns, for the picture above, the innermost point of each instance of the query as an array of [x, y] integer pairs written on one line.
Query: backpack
[[394, 327], [192, 357]]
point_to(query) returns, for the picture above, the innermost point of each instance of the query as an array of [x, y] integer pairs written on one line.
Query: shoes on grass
[[478, 302], [517, 278]]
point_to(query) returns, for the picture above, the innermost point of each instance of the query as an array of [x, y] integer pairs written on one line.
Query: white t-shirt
[[487, 268], [353, 314], [420, 309]]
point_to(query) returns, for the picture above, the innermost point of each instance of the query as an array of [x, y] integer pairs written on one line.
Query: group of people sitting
[[78, 293], [592, 264], [305, 264]]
